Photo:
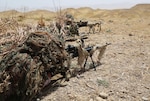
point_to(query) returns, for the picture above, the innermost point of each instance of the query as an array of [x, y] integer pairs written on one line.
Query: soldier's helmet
[[69, 17]]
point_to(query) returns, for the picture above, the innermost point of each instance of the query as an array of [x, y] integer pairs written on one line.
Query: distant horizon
[[52, 9], [53, 5]]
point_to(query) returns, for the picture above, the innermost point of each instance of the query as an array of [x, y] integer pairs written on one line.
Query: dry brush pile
[[11, 35], [29, 63]]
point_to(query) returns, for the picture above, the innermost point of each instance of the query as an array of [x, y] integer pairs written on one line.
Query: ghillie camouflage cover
[[26, 68]]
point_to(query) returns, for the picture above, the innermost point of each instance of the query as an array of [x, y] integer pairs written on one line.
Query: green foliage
[[48, 19], [102, 83], [21, 18], [108, 31], [110, 21]]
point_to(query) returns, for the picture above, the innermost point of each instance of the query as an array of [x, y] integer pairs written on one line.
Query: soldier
[[74, 29]]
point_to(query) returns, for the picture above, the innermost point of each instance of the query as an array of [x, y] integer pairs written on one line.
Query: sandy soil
[[125, 70]]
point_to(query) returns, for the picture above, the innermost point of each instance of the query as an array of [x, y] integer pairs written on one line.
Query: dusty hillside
[[142, 7], [88, 13], [39, 13], [10, 13], [141, 10]]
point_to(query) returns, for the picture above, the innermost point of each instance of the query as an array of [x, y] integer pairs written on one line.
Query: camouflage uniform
[[25, 69]]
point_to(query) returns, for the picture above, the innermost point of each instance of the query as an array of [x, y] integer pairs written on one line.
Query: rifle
[[73, 51]]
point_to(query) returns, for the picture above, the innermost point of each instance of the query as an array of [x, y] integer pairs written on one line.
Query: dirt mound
[[79, 12], [89, 13], [70, 10], [9, 13], [38, 13], [84, 13], [141, 7], [143, 10]]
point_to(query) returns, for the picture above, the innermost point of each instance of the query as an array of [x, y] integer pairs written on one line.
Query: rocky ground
[[125, 70]]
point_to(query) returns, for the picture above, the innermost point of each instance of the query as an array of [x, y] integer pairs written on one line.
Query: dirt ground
[[125, 71]]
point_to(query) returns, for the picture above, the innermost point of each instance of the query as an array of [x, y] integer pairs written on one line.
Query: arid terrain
[[125, 71]]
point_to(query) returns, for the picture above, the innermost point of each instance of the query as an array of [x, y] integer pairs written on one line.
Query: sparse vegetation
[[103, 83], [48, 19], [108, 31]]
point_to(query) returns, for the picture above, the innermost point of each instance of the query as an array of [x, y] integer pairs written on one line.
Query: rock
[[99, 99], [145, 99], [99, 78], [91, 99], [38, 99], [103, 95], [130, 35], [111, 98]]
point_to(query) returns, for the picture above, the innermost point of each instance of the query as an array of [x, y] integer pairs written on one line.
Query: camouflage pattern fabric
[[25, 69]]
